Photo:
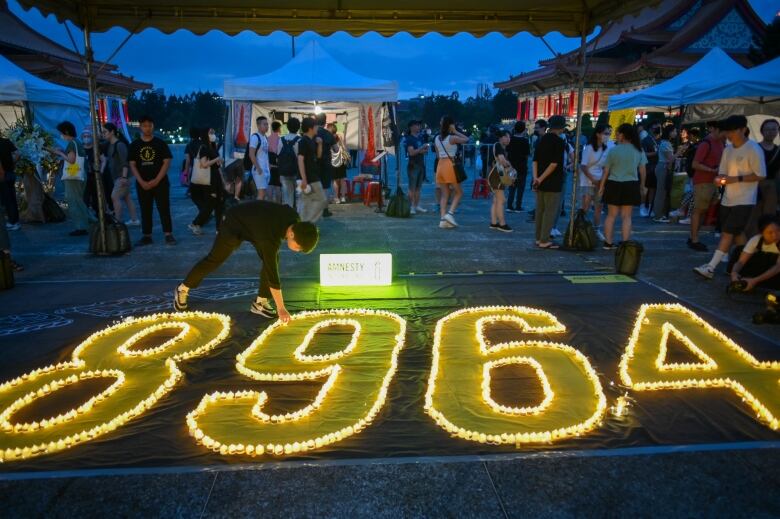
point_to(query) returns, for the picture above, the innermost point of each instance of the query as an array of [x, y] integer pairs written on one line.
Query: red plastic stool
[[373, 194], [481, 189], [361, 183]]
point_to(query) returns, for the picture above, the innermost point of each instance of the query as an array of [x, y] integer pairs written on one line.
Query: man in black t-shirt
[[263, 224], [8, 157], [519, 149], [310, 150], [649, 142], [150, 159], [327, 140], [548, 180]]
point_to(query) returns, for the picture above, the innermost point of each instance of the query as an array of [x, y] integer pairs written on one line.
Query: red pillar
[[548, 106], [559, 111], [519, 115], [536, 108], [596, 103], [571, 104]]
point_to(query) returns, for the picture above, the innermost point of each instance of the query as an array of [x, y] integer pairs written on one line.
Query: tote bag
[[74, 171], [200, 176]]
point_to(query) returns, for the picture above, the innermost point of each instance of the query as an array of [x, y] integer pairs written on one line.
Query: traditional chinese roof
[[51, 61], [655, 44]]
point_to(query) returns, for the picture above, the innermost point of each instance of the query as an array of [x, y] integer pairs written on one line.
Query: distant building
[[637, 52]]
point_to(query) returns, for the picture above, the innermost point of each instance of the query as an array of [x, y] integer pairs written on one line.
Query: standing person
[[208, 198], [150, 159], [7, 154], [73, 178], [313, 199], [548, 180], [116, 162], [650, 147], [767, 188], [258, 154], [540, 128], [664, 171], [706, 162], [501, 162], [415, 166], [518, 149], [265, 225], [446, 148], [325, 140], [622, 181], [288, 161], [338, 166], [189, 154], [274, 147], [8, 157], [758, 262], [741, 169], [594, 156]]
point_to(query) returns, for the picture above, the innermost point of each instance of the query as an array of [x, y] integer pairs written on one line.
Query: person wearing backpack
[[257, 150], [120, 172], [73, 177], [288, 161]]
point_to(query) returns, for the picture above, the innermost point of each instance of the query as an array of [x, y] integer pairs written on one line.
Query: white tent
[[313, 79], [677, 91], [49, 104]]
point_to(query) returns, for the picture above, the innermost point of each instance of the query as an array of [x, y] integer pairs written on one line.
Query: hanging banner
[[370, 128], [242, 124]]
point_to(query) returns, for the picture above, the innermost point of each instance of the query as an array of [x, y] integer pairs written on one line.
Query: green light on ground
[[339, 270]]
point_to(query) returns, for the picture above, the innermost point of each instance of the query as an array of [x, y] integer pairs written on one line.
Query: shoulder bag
[[74, 171], [500, 176], [457, 164], [200, 176]]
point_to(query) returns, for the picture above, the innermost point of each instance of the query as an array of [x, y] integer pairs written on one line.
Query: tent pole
[[88, 64], [578, 133]]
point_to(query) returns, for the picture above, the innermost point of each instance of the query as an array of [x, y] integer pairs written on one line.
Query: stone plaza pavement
[[733, 483]]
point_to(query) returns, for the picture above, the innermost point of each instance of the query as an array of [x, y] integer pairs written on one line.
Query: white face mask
[[212, 137]]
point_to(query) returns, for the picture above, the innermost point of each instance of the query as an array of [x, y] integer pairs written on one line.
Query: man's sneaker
[[170, 240], [180, 299], [412, 211], [336, 200], [609, 246], [495, 226], [145, 240], [421, 210], [504, 228], [511, 210], [704, 271], [643, 211], [196, 229], [600, 235], [555, 233], [262, 306], [450, 219], [444, 224], [697, 245], [661, 219], [133, 223]]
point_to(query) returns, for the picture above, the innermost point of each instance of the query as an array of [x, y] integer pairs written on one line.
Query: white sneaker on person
[[684, 221], [13, 226], [343, 199], [600, 235], [196, 229], [444, 224], [262, 306], [705, 271], [412, 211], [336, 201], [643, 212], [676, 212], [421, 210], [180, 299], [450, 219], [555, 233], [133, 223]]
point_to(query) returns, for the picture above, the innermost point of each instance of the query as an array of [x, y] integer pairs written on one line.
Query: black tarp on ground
[[50, 319]]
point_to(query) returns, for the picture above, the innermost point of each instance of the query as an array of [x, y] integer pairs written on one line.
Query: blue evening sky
[[182, 62]]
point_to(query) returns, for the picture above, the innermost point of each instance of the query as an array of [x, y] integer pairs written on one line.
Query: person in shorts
[[258, 154], [705, 168], [415, 167], [741, 168], [594, 156]]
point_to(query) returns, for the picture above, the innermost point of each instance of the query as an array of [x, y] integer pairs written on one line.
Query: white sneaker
[[676, 212], [196, 229], [133, 223], [555, 233], [421, 210], [412, 211], [444, 224], [13, 226], [262, 306], [343, 199], [600, 235], [684, 221], [336, 201], [450, 219], [643, 212], [704, 271]]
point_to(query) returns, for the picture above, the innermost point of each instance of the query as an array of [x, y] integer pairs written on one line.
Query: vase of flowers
[[33, 143]]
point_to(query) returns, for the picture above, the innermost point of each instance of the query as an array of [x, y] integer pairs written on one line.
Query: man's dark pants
[[160, 195]]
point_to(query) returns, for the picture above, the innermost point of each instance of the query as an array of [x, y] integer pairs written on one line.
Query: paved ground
[[723, 483]]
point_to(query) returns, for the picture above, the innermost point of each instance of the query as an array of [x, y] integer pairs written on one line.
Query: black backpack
[[627, 257], [287, 162], [247, 158], [584, 238]]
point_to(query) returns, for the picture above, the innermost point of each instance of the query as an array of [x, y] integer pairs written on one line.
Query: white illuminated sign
[[356, 269]]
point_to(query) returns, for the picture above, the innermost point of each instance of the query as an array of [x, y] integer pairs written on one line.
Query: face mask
[[643, 134], [86, 141], [212, 137]]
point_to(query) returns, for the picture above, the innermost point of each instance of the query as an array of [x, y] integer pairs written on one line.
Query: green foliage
[[481, 111], [178, 113]]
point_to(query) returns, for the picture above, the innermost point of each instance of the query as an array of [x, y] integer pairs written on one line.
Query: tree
[[505, 104], [767, 47]]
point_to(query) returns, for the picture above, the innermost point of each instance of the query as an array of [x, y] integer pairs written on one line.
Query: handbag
[[499, 176], [584, 235], [74, 171], [340, 158], [200, 176], [457, 164]]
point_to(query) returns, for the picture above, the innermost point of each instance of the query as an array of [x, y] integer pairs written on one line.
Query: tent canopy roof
[[312, 75], [758, 85], [17, 84], [716, 64], [417, 17]]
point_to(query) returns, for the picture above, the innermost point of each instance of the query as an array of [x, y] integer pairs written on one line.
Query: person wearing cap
[[705, 168], [548, 180], [415, 168], [741, 168]]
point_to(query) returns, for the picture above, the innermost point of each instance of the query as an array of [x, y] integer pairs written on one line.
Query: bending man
[[264, 225]]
